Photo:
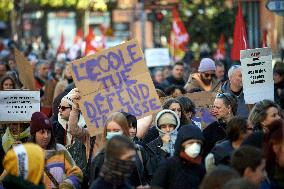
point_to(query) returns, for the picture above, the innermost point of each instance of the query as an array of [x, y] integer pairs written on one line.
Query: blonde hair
[[258, 113], [121, 120]]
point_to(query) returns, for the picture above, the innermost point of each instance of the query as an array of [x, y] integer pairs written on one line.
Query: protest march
[[127, 116]]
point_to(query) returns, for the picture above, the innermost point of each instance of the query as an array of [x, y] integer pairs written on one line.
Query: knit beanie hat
[[25, 161], [167, 117], [69, 97], [206, 64], [38, 122]]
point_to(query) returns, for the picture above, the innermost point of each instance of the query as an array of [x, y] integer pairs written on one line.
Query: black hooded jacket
[[169, 81], [177, 173]]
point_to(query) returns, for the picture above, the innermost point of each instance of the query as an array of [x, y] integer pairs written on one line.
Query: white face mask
[[193, 150], [112, 134]]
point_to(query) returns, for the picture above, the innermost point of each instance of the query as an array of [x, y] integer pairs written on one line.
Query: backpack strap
[[50, 176]]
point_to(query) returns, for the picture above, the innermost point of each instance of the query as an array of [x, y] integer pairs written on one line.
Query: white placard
[[157, 57], [257, 74], [18, 106]]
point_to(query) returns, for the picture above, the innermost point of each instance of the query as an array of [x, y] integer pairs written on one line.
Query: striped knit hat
[[25, 161]]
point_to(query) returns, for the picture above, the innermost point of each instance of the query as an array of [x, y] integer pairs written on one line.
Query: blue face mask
[[112, 134]]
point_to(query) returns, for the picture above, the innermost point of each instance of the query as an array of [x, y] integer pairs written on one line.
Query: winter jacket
[[192, 85], [100, 183], [170, 81], [63, 168], [279, 97], [58, 131], [255, 139], [213, 133], [274, 180], [8, 139], [138, 177], [222, 152], [13, 182], [2, 154], [157, 145], [178, 173], [243, 110]]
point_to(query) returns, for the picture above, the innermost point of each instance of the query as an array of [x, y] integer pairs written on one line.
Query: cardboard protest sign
[[47, 100], [257, 75], [18, 106], [25, 69], [157, 57], [115, 79], [203, 102]]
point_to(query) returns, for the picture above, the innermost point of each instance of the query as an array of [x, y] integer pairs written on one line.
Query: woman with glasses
[[62, 128], [64, 135], [224, 108]]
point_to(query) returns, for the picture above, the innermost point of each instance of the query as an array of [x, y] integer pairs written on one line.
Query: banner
[[115, 79], [257, 75], [157, 57], [18, 106], [203, 102]]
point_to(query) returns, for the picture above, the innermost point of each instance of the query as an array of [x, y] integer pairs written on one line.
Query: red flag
[[264, 38], [179, 30], [240, 39], [61, 48], [90, 48], [220, 53], [79, 36], [75, 49], [178, 37]]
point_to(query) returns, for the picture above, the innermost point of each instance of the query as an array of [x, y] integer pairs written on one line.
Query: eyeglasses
[[208, 74], [64, 107], [223, 95]]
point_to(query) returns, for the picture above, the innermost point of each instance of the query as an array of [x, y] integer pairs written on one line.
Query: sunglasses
[[209, 75], [64, 107], [223, 95]]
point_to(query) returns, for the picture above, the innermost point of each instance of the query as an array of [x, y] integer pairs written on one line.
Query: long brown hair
[[121, 120], [4, 78], [273, 137]]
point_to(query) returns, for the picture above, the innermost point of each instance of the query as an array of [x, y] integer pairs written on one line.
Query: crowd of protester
[[242, 149]]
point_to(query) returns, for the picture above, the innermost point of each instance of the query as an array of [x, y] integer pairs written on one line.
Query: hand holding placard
[[115, 79]]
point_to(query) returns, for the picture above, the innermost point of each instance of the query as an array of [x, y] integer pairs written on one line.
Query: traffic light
[[159, 16]]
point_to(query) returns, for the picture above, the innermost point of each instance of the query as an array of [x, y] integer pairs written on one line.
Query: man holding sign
[[116, 79]]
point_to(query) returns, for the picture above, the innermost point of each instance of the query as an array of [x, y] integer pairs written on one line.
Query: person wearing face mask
[[118, 165], [167, 123], [117, 125], [171, 104], [184, 169], [145, 153]]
